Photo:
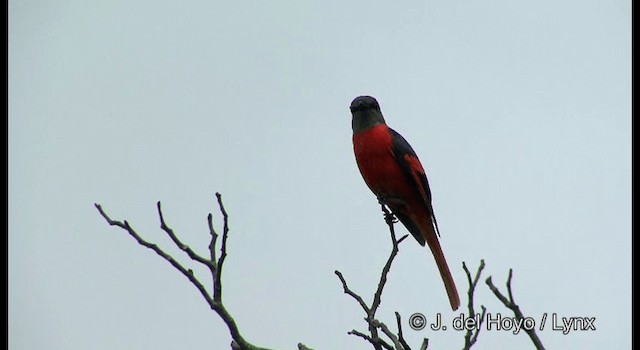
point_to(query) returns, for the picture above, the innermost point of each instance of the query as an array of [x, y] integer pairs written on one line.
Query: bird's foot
[[389, 218]]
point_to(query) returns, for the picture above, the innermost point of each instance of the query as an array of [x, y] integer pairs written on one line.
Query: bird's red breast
[[375, 160], [382, 171]]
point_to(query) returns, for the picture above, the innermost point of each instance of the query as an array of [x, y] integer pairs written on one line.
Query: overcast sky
[[519, 110]]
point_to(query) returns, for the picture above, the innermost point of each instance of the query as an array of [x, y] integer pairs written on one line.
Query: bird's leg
[[389, 218]]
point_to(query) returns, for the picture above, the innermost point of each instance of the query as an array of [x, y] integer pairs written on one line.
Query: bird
[[393, 172]]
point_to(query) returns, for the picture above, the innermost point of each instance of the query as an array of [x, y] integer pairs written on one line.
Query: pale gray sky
[[519, 111]]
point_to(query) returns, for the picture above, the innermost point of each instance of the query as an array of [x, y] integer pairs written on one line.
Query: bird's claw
[[389, 218]]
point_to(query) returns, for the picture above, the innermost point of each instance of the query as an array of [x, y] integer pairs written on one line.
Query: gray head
[[365, 112]]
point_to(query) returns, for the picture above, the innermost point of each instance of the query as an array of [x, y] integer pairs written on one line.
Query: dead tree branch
[[373, 324], [511, 305], [376, 329], [213, 264], [471, 336], [401, 339], [186, 272]]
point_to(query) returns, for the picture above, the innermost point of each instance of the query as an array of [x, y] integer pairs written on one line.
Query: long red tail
[[441, 262]]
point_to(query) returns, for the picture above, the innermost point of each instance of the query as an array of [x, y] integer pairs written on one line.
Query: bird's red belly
[[377, 164]]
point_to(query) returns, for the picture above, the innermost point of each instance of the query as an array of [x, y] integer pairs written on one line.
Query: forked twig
[[511, 305]]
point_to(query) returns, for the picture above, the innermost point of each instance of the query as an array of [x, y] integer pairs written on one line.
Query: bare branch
[[394, 338], [212, 248], [215, 264], [217, 291], [185, 248], [401, 339], [510, 304], [221, 310], [215, 302], [186, 272], [375, 341], [509, 287], [385, 270], [361, 335], [370, 311], [471, 337], [214, 237], [351, 293]]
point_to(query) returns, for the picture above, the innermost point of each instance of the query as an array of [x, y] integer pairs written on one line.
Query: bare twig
[[215, 266], [351, 293], [511, 304], [362, 335], [370, 311], [394, 338], [471, 337], [185, 248], [387, 266], [186, 272], [212, 246], [401, 339], [377, 297], [375, 341], [217, 284]]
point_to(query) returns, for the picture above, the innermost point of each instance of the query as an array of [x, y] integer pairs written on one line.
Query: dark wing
[[412, 168]]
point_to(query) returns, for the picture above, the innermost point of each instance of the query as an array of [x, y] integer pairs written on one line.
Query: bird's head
[[365, 112]]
